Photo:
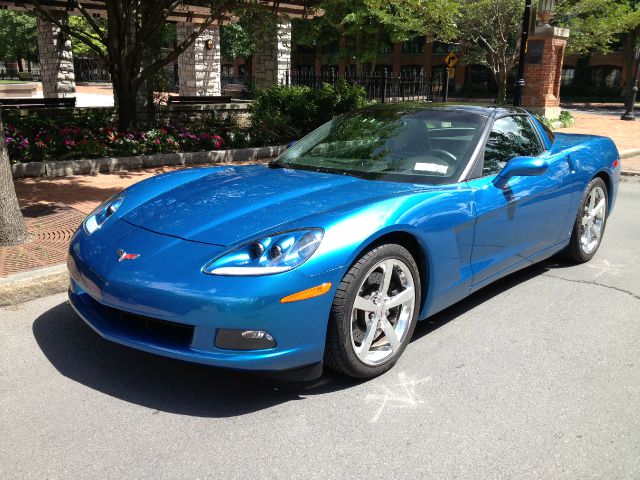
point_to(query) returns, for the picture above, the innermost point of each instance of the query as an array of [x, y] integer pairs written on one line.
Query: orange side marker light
[[308, 293]]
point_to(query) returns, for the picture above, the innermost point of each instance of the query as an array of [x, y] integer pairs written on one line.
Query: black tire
[[575, 252], [339, 351]]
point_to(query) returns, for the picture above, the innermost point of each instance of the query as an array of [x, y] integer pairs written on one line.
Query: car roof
[[476, 108]]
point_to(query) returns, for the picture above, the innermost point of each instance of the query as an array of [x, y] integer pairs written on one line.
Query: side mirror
[[291, 144], [521, 167]]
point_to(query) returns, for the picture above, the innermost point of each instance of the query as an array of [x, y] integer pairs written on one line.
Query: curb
[[630, 153], [25, 286], [93, 166], [630, 173]]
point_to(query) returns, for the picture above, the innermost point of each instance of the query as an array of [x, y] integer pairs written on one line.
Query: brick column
[[56, 60], [543, 71], [199, 66], [272, 56]]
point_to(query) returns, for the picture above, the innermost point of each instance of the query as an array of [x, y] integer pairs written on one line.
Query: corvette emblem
[[122, 255]]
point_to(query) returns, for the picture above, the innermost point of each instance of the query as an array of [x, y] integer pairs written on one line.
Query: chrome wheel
[[595, 211], [382, 311]]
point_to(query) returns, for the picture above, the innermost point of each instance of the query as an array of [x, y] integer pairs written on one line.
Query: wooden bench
[[195, 100], [69, 102]]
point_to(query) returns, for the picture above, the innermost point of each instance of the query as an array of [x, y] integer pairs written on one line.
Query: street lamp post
[[631, 99], [526, 17]]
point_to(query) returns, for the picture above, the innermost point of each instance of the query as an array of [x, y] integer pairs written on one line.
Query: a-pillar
[[272, 56], [56, 59], [199, 65], [543, 70]]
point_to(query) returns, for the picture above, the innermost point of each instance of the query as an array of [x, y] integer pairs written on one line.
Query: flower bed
[[71, 142]]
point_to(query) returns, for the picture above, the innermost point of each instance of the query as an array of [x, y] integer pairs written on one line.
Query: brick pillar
[[199, 66], [56, 60], [543, 71], [272, 56]]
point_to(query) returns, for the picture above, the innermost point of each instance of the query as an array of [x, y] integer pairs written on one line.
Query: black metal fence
[[383, 88]]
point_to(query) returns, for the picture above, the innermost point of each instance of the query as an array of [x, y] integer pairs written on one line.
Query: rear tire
[[374, 313], [590, 223]]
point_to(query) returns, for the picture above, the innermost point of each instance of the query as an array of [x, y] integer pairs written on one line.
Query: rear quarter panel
[[590, 155]]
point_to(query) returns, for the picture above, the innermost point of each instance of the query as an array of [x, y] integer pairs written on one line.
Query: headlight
[[274, 254], [100, 215]]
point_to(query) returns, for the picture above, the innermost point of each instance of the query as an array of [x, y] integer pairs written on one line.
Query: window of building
[[510, 137], [331, 47], [411, 71], [305, 70], [226, 70], [305, 49], [329, 71], [415, 45], [479, 76], [568, 76], [383, 70], [605, 76], [442, 48]]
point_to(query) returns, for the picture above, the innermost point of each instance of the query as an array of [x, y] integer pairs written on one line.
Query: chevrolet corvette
[[330, 254]]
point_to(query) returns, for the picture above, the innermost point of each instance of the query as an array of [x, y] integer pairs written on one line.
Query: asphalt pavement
[[537, 376]]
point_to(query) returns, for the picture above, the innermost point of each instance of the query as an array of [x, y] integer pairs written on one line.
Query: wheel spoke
[[369, 335], [391, 335], [598, 208], [401, 298], [388, 272], [592, 201], [597, 231], [362, 303]]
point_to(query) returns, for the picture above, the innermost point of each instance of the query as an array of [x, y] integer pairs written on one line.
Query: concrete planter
[[93, 166]]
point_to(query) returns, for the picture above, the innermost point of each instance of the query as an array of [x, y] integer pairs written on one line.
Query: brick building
[[592, 76]]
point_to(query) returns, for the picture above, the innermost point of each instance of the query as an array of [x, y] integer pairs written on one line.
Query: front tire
[[374, 312], [590, 222]]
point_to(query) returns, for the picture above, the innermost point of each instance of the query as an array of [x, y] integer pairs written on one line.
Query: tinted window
[[510, 137], [398, 143]]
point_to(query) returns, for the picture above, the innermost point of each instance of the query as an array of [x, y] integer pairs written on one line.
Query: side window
[[510, 137]]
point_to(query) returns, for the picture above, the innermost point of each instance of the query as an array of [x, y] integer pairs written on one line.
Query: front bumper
[[132, 302]]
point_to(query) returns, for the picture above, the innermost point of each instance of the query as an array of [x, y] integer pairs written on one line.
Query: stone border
[[25, 286], [64, 168]]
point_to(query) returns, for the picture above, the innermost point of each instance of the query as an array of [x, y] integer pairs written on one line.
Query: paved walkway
[[626, 134]]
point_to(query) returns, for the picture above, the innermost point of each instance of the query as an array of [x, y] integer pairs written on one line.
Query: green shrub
[[566, 118], [281, 114]]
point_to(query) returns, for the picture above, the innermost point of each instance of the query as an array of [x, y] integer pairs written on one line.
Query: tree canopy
[[18, 35]]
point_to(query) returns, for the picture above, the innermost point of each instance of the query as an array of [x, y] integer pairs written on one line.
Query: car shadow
[[183, 388]]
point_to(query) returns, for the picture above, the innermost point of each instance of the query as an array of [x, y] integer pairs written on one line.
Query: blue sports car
[[330, 254]]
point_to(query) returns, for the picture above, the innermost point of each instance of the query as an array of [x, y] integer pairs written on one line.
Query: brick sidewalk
[[625, 134]]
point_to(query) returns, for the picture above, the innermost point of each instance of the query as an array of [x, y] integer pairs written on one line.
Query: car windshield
[[418, 145]]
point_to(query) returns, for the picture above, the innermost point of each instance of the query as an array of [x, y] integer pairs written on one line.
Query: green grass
[[13, 81]]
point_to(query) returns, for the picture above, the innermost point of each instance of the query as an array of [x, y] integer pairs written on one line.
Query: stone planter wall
[[18, 90], [94, 166]]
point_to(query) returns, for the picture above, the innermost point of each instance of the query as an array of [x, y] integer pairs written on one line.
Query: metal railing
[[383, 88]]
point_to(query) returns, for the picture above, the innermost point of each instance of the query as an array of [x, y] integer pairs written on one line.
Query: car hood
[[236, 203]]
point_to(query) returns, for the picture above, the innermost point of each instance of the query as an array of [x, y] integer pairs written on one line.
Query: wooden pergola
[[184, 13]]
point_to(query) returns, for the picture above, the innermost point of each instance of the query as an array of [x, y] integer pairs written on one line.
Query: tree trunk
[[13, 231], [19, 62]]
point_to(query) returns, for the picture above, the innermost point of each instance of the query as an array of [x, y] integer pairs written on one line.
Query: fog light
[[256, 334], [244, 339]]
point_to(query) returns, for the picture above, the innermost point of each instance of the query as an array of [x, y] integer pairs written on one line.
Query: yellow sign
[[451, 60], [452, 73]]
